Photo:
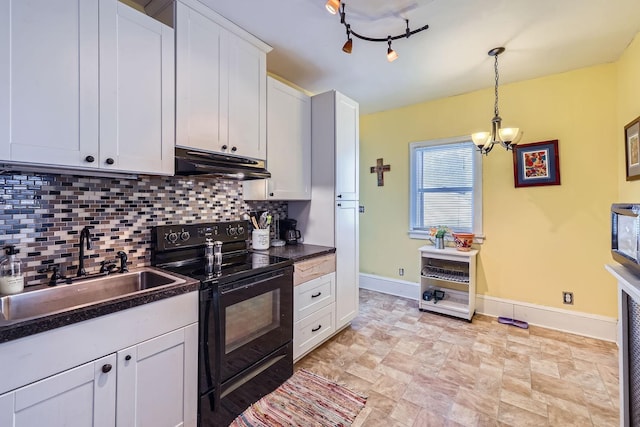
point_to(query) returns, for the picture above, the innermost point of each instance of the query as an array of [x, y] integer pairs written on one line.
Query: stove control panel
[[193, 235]]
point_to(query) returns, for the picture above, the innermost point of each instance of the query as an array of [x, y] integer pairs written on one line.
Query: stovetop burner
[[180, 249]]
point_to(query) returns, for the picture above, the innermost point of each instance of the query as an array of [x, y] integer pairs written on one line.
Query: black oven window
[[251, 318]]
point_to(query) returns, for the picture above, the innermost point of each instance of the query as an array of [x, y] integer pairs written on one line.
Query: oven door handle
[[248, 283]]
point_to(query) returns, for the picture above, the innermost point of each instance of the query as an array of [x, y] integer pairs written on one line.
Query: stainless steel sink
[[64, 297]]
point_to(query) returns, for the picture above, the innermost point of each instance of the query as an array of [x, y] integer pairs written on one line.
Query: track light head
[[333, 6], [348, 46], [392, 55]]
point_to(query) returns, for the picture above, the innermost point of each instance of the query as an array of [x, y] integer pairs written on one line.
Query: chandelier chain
[[495, 107]]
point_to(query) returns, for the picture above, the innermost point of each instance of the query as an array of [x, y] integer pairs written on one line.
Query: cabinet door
[[49, 81], [201, 121], [247, 87], [157, 381], [136, 92], [289, 142], [80, 397], [347, 142], [347, 262]]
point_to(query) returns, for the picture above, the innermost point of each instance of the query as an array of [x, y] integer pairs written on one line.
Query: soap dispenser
[[11, 279]]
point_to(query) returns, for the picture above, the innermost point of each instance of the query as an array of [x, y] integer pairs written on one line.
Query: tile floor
[[423, 369]]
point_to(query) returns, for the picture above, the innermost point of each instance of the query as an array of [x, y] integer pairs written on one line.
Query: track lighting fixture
[[335, 6], [506, 137]]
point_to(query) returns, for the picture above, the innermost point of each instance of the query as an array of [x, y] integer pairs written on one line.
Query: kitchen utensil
[[254, 222], [263, 219]]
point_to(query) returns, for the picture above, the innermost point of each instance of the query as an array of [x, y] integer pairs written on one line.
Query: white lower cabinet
[[80, 397], [155, 379], [147, 378], [314, 313]]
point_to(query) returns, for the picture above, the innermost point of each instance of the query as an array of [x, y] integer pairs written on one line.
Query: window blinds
[[444, 186]]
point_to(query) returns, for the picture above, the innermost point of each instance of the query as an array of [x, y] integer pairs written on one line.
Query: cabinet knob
[[90, 159], [127, 357], [224, 147], [271, 194], [339, 196], [110, 161], [316, 329], [316, 295], [234, 149], [339, 204], [106, 368]]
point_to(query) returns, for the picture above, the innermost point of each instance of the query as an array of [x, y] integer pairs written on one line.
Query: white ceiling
[[542, 37]]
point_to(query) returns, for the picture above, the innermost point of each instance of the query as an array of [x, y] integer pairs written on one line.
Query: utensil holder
[[260, 238]]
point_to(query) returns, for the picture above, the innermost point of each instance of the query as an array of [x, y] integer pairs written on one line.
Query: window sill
[[424, 235]]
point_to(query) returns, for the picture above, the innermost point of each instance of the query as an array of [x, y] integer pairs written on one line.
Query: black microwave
[[625, 235]]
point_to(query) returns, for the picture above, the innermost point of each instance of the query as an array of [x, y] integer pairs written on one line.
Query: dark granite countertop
[[14, 329], [299, 252]]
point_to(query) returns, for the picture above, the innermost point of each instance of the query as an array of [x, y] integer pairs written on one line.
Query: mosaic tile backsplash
[[43, 214]]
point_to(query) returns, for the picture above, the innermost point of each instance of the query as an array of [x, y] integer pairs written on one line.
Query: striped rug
[[305, 399]]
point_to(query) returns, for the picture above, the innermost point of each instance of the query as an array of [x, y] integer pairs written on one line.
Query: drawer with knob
[[314, 295], [313, 330]]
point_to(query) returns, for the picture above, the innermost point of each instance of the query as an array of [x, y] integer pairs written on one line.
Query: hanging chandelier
[[335, 6], [506, 137]]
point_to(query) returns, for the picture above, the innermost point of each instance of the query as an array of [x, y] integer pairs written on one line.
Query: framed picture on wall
[[536, 164], [632, 149]]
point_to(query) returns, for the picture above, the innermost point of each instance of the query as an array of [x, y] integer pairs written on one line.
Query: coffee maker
[[288, 231]]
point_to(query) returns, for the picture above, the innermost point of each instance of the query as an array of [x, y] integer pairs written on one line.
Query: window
[[446, 186]]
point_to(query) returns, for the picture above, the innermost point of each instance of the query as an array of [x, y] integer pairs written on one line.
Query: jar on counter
[[11, 278]]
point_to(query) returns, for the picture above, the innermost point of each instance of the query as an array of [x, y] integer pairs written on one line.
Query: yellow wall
[[539, 240], [628, 110]]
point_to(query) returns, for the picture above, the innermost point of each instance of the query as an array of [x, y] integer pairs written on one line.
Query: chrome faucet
[[85, 236]]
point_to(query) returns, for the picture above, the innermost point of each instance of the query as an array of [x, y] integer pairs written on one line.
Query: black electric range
[[245, 313]]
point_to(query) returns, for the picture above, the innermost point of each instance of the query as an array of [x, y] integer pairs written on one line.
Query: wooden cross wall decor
[[380, 169]]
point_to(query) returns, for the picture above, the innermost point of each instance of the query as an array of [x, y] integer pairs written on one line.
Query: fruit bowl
[[463, 241]]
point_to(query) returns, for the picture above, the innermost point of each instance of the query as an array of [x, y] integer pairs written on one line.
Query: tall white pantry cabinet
[[331, 217]]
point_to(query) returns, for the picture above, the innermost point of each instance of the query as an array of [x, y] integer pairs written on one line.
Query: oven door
[[256, 318]]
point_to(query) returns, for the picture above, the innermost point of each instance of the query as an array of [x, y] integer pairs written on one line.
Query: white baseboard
[[585, 324], [385, 285]]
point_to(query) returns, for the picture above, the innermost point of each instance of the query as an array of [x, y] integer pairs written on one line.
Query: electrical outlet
[[401, 271], [567, 297]]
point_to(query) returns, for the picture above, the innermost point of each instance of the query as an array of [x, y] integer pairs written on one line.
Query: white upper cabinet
[[199, 120], [137, 94], [85, 84], [220, 84], [347, 116], [49, 81], [288, 146]]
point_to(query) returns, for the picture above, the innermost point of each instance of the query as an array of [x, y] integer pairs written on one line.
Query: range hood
[[196, 162]]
